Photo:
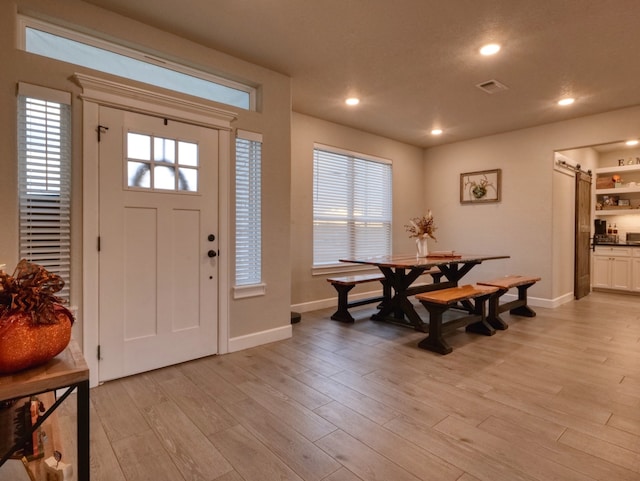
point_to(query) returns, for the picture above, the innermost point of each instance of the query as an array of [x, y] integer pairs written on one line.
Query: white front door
[[158, 266]]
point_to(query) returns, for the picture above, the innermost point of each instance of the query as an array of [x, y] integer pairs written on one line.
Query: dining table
[[402, 271]]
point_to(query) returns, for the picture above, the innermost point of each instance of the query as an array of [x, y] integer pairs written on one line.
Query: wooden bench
[[439, 301], [518, 307], [345, 283]]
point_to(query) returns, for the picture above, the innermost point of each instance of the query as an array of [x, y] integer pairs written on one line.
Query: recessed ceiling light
[[631, 142], [352, 101], [567, 101], [490, 49], [436, 132]]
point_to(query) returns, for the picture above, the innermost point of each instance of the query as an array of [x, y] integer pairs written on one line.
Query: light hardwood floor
[[555, 397]]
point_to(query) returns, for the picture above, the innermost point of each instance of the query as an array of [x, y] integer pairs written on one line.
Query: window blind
[[248, 208], [352, 200], [44, 179]]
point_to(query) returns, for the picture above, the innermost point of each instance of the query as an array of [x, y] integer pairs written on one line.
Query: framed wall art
[[481, 186]]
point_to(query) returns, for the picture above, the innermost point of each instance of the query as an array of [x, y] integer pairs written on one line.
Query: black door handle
[[212, 253]]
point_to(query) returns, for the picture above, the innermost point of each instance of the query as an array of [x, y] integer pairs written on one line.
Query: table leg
[[83, 434]]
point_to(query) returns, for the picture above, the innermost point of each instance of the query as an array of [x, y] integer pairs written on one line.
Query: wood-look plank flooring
[[555, 397]]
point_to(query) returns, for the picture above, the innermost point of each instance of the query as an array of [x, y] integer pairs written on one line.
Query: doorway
[[582, 265], [96, 95], [158, 287]]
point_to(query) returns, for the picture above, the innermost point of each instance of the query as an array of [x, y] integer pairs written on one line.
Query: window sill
[[254, 290]]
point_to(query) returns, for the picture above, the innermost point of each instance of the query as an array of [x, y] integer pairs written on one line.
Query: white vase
[[421, 245]]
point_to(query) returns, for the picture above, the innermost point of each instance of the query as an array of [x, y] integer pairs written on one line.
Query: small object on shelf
[[624, 202], [604, 183], [57, 470], [615, 229]]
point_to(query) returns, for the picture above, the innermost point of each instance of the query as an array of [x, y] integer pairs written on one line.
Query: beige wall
[[309, 291], [534, 221], [247, 316], [529, 224]]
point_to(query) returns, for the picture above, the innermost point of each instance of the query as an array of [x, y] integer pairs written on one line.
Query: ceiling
[[414, 64]]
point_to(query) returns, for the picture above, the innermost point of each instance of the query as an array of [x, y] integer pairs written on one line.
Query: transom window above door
[[159, 163]]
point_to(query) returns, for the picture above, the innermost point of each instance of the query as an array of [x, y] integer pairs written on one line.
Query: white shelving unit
[[629, 173]]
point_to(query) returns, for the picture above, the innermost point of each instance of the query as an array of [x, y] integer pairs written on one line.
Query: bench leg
[[523, 309], [342, 314], [435, 341], [494, 311], [480, 310]]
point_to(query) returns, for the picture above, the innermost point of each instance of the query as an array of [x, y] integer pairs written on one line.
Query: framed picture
[[481, 186]]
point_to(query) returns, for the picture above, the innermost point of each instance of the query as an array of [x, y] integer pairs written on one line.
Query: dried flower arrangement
[[422, 227]]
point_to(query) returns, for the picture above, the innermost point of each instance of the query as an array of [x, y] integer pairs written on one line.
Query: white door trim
[[96, 92]]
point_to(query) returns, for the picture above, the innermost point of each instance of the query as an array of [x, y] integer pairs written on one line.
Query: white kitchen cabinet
[[612, 268], [635, 270]]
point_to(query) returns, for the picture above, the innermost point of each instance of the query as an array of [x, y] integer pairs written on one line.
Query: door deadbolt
[[211, 237]]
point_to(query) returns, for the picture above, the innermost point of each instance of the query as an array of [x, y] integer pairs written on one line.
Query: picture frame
[[483, 186]]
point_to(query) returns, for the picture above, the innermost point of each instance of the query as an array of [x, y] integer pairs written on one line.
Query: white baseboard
[[259, 338], [333, 301], [539, 301]]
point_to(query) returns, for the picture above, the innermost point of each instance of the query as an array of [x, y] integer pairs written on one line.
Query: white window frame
[[44, 180], [25, 22], [248, 191], [352, 211]]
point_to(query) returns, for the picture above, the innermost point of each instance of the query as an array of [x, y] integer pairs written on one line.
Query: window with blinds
[[44, 179], [352, 200], [248, 208]]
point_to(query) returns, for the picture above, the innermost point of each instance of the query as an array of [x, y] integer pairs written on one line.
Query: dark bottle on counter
[[609, 229], [615, 229]]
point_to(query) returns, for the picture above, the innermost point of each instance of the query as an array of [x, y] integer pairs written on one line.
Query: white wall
[[531, 222]]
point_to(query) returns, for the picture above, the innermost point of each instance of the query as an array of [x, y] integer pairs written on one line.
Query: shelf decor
[[617, 190], [480, 187], [34, 325]]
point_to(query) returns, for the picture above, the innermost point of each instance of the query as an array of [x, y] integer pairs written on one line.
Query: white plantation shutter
[[352, 199], [248, 208], [44, 179]]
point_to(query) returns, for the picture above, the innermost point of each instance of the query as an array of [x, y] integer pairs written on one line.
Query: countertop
[[617, 244]]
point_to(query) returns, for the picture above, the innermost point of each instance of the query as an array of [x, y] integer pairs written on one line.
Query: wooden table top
[[67, 368], [409, 261]]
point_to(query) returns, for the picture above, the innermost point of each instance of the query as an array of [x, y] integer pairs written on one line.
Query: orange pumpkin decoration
[[24, 344], [34, 326]]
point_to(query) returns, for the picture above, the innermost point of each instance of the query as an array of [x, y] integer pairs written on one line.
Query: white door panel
[[158, 287]]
